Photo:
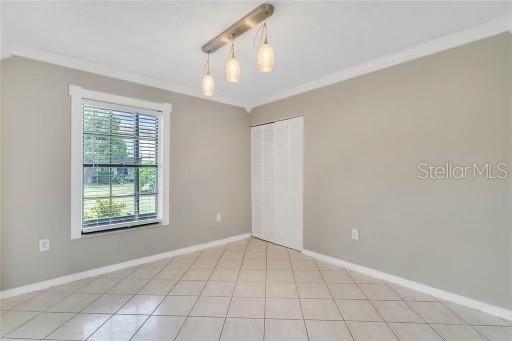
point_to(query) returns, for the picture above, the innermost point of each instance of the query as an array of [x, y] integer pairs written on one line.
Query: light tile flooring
[[247, 290]]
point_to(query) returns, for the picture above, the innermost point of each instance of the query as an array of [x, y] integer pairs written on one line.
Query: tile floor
[[247, 290]]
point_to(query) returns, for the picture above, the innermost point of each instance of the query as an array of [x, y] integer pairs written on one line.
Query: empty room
[[256, 171]]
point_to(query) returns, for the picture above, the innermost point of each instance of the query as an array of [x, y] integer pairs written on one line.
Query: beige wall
[[210, 147], [1, 215], [363, 140]]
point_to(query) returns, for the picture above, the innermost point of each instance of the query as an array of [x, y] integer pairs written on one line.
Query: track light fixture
[[266, 57]]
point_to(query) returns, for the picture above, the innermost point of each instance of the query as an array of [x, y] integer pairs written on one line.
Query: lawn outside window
[[119, 162]]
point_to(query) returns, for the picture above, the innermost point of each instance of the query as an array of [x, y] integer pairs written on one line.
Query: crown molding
[[83, 65], [481, 31]]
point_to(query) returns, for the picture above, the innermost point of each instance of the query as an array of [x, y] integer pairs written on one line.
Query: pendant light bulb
[[208, 85], [208, 81], [266, 57], [232, 67]]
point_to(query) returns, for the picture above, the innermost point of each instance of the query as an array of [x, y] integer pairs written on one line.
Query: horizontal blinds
[[120, 166]]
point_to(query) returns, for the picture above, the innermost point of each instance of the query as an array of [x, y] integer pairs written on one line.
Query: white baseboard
[[119, 266], [441, 294]]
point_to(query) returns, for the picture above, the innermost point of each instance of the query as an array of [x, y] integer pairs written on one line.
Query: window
[[119, 162]]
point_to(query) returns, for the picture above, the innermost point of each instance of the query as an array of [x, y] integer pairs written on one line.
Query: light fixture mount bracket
[[250, 20]]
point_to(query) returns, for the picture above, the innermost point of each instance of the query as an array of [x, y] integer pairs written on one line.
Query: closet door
[[257, 180], [288, 183], [277, 185]]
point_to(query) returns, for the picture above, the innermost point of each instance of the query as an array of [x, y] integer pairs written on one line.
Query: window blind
[[120, 166]]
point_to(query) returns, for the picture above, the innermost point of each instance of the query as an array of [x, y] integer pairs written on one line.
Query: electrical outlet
[[219, 217], [44, 245], [355, 234]]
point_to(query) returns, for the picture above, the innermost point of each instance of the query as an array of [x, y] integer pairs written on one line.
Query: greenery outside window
[[120, 161]]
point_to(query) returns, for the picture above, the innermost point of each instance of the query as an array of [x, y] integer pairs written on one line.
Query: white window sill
[[121, 230]]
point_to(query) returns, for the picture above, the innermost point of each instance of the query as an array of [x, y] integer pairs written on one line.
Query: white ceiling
[[160, 42]]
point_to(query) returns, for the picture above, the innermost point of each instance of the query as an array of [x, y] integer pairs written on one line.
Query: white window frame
[[163, 112]]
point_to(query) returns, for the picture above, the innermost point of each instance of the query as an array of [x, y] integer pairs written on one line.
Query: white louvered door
[[257, 176], [277, 182]]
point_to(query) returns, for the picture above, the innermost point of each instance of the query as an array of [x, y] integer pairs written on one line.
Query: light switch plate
[[44, 245], [219, 217], [355, 234]]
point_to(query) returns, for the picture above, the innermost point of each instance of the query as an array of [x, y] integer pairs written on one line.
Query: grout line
[[343, 299], [334, 299], [236, 284], [460, 317], [75, 314], [265, 300], [281, 318], [176, 282], [414, 311], [59, 301], [128, 301], [373, 305], [21, 325], [298, 296], [202, 290], [101, 295]]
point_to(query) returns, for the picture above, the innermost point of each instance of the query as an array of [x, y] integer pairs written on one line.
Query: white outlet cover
[[44, 245], [219, 217], [355, 234]]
